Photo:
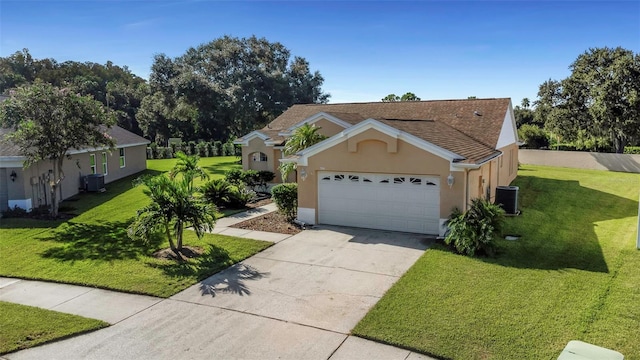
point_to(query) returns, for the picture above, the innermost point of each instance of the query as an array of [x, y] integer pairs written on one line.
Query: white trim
[[104, 160], [12, 161], [122, 157], [250, 136], [508, 133], [307, 215], [315, 118], [103, 148], [383, 128]]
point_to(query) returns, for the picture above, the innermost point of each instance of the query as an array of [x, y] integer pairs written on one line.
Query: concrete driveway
[[296, 300]]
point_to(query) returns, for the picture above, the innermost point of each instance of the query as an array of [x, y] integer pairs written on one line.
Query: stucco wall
[[328, 128], [582, 160], [31, 182], [257, 145], [373, 156]]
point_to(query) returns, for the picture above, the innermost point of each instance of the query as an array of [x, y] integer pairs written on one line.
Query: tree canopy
[[48, 122], [225, 88], [600, 99], [114, 86], [409, 96]]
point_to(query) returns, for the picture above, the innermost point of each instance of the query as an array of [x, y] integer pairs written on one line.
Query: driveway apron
[[299, 299]]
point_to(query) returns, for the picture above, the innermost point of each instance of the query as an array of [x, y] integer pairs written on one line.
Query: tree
[[114, 86], [226, 88], [601, 98], [188, 167], [49, 122], [390, 98], [303, 137], [173, 207], [525, 103], [409, 96]]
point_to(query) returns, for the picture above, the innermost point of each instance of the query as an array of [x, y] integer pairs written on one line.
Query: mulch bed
[[188, 252], [271, 222]]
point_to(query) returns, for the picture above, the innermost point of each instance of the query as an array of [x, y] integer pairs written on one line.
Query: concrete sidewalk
[[105, 305]]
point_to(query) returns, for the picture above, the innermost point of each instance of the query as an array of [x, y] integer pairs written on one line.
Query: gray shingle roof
[[122, 137]]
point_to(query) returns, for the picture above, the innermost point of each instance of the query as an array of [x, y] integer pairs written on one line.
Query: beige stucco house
[[28, 188], [399, 166]]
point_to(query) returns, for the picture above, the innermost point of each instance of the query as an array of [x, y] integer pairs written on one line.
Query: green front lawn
[[574, 275], [93, 248], [26, 326]]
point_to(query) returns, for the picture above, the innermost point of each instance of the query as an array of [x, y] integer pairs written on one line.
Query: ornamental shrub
[[240, 196], [217, 191], [286, 198], [234, 176], [475, 230], [533, 136]]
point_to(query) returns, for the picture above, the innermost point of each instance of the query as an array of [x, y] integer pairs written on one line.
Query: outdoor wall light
[[13, 175], [303, 174], [450, 180]]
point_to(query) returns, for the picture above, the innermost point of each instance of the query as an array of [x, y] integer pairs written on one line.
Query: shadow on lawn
[[221, 168], [86, 201], [557, 225], [210, 262], [107, 242]]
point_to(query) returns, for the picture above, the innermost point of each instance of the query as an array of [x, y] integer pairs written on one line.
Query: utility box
[[507, 198], [94, 182]]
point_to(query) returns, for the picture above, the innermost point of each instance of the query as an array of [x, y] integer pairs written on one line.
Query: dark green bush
[[201, 149], [217, 148], [15, 212], [234, 176], [632, 149], [251, 178], [286, 198], [475, 230], [228, 149], [533, 136], [265, 176], [217, 191]]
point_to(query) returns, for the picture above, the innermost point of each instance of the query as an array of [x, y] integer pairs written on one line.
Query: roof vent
[[477, 113]]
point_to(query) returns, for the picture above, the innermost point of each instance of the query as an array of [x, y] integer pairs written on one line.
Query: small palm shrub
[[475, 230], [217, 191], [239, 197], [286, 198]]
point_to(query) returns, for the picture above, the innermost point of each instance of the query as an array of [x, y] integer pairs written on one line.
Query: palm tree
[[188, 167], [303, 137], [173, 207]]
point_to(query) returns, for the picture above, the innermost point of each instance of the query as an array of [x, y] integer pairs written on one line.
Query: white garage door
[[408, 203]]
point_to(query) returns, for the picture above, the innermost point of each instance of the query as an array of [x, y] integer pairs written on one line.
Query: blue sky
[[365, 50]]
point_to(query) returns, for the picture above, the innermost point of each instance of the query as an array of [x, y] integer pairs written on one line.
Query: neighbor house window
[[259, 157], [104, 163], [122, 161], [92, 163]]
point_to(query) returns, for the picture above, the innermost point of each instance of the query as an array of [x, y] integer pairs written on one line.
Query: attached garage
[[397, 202]]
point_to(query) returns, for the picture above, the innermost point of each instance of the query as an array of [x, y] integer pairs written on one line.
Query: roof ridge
[[399, 102]]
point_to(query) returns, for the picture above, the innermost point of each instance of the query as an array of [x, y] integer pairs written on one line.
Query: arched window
[[259, 157]]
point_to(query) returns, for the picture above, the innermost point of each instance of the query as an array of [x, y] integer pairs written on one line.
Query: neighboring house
[[399, 166], [28, 188]]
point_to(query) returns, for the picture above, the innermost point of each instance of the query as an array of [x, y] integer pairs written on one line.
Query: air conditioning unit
[[507, 198], [95, 182]]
